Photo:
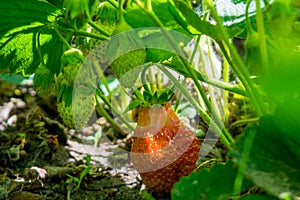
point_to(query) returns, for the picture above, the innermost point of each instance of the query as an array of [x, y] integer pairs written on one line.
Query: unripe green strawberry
[[126, 53], [72, 60], [126, 67], [44, 81], [76, 107], [71, 56], [70, 71], [66, 114], [163, 148], [98, 47]]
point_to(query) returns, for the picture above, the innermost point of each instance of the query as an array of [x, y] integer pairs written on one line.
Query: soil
[[42, 159]]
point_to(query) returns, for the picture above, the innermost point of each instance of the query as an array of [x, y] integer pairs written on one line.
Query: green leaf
[[137, 18], [156, 55], [154, 97], [234, 13], [82, 175], [107, 12], [57, 3], [238, 1], [274, 159], [88, 159], [216, 183], [23, 25], [133, 104], [66, 95], [13, 78], [259, 197], [147, 96], [177, 66], [158, 48], [43, 79], [163, 98], [192, 22], [146, 196]]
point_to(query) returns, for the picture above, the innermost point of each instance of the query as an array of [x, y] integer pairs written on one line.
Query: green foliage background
[[35, 33]]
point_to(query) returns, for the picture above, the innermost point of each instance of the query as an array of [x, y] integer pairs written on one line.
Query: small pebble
[[19, 103], [12, 120], [101, 121], [87, 131], [32, 92], [6, 109], [96, 127], [24, 90]]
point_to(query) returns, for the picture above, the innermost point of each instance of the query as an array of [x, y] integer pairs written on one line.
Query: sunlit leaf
[[274, 159], [22, 28], [216, 183]]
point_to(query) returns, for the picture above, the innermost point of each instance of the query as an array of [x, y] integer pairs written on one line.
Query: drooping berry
[[163, 148]]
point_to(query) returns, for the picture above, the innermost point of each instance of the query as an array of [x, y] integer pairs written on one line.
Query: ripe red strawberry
[[163, 148]]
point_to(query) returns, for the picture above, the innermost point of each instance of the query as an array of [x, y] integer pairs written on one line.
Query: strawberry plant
[[245, 95]]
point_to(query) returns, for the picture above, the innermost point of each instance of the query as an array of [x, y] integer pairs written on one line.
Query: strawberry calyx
[[149, 99]]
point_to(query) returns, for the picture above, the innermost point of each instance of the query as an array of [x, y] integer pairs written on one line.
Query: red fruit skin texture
[[163, 148]]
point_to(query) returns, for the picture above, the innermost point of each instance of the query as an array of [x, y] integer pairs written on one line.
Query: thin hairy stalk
[[238, 65], [202, 112], [106, 102], [225, 92], [244, 159], [189, 69], [151, 80], [101, 75], [83, 33], [214, 82], [113, 3], [56, 28], [243, 122], [101, 111], [98, 28], [262, 38], [215, 95]]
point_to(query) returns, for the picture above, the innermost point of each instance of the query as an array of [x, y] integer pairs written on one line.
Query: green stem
[[159, 79], [242, 122], [214, 96], [113, 3], [190, 71], [178, 99], [106, 102], [262, 38], [144, 79], [98, 28], [238, 66], [120, 9], [101, 75], [151, 79], [104, 113], [84, 33], [56, 28], [39, 44], [195, 48], [244, 159], [202, 113], [182, 61], [219, 84], [252, 91], [226, 94]]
